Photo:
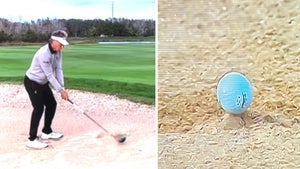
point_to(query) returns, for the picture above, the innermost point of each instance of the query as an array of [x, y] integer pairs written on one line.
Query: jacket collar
[[51, 49]]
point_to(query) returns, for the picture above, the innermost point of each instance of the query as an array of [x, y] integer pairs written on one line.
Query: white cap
[[61, 40]]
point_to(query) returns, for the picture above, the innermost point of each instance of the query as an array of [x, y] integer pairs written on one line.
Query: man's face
[[57, 46]]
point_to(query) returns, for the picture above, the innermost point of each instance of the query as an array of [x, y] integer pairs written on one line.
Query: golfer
[[45, 69]]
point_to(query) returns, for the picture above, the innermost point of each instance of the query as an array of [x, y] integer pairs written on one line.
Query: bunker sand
[[199, 41], [84, 144]]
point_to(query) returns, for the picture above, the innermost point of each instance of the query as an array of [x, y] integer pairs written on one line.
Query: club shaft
[[91, 119], [117, 138], [96, 122]]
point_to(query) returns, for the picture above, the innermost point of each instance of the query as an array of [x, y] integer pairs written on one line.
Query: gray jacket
[[46, 67]]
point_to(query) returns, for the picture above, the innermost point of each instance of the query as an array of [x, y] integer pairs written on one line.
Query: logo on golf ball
[[241, 100], [234, 92]]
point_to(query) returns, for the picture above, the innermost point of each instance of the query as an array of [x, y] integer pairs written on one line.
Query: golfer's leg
[[35, 120], [50, 104], [37, 103]]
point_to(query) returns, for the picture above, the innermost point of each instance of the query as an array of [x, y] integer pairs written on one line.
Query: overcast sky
[[27, 10]]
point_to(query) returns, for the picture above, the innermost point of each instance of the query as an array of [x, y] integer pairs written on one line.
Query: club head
[[122, 139]]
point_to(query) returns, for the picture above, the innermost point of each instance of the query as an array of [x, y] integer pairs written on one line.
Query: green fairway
[[126, 70], [124, 63]]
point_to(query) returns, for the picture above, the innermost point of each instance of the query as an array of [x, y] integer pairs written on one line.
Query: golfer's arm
[[59, 72], [47, 69]]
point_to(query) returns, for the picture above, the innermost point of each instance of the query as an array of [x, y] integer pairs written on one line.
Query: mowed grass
[[127, 70]]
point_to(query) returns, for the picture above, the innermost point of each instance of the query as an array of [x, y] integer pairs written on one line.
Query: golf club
[[119, 137]]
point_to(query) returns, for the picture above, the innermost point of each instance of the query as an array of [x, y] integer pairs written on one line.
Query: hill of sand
[[84, 144], [199, 41]]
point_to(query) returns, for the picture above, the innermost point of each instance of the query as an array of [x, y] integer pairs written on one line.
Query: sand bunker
[[199, 41], [84, 144]]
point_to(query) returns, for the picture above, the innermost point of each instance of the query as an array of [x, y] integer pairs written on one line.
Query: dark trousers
[[41, 98]]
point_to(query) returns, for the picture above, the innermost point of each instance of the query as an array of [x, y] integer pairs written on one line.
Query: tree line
[[39, 30]]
